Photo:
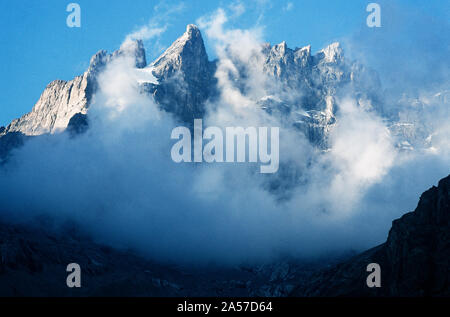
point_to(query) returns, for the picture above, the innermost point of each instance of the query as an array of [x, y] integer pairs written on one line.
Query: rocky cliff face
[[57, 104], [415, 259], [310, 84], [418, 246]]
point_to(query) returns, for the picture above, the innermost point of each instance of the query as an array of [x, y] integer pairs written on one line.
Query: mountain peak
[[184, 64], [187, 54], [281, 48], [98, 61], [332, 53], [192, 29], [282, 45], [306, 49]]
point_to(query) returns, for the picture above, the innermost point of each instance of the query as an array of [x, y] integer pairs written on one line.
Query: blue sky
[[37, 46]]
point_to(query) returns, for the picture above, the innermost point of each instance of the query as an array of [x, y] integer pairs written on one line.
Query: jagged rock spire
[[186, 76], [186, 54]]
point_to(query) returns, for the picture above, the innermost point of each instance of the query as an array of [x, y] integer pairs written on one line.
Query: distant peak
[[281, 48], [334, 46], [306, 48], [135, 49], [332, 53]]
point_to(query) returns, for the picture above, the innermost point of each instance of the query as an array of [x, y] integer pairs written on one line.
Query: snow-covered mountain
[[182, 79]]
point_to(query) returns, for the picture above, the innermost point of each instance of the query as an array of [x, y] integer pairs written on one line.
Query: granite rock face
[[57, 104]]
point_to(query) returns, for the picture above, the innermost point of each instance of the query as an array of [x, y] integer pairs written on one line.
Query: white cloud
[[237, 8], [146, 32], [288, 7]]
